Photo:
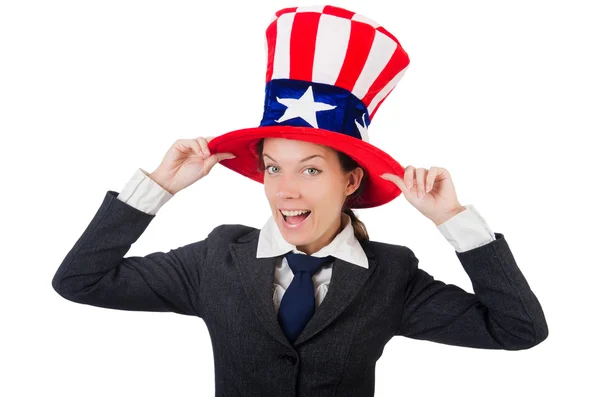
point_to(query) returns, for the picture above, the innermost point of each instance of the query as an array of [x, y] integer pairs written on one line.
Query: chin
[[295, 237], [295, 241]]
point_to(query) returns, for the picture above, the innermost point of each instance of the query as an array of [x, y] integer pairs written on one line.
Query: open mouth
[[295, 220]]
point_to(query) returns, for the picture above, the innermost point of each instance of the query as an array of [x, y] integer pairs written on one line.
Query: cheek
[[328, 193], [326, 205], [270, 191]]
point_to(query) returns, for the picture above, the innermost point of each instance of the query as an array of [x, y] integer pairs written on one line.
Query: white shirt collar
[[344, 246]]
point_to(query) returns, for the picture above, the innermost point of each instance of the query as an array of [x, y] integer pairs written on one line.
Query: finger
[[190, 144], [195, 146], [433, 171], [212, 160], [202, 142], [224, 156], [400, 183], [420, 182], [409, 173], [397, 180]]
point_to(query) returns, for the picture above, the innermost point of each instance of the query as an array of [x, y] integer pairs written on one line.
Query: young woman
[[305, 305]]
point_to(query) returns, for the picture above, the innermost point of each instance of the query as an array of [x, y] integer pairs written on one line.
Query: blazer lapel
[[346, 281], [257, 275]]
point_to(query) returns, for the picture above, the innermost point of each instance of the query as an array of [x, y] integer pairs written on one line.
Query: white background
[[504, 95]]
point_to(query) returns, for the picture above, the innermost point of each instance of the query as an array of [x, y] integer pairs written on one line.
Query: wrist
[[162, 181], [448, 215]]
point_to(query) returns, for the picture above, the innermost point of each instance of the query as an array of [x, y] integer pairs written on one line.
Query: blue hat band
[[307, 104]]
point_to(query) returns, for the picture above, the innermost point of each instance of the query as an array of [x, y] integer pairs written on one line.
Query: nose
[[287, 188], [287, 194]]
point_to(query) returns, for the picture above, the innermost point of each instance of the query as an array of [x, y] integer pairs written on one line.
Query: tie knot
[[305, 263]]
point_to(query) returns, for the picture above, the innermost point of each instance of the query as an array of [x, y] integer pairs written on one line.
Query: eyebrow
[[303, 160]]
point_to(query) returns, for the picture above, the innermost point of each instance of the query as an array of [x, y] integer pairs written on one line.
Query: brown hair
[[348, 164]]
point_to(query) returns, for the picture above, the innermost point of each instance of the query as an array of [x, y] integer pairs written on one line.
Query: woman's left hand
[[432, 193]]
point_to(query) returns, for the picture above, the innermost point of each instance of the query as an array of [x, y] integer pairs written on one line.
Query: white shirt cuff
[[143, 193], [467, 230]]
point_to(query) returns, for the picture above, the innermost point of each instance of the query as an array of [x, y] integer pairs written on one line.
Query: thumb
[[224, 156], [396, 179], [399, 181], [215, 158]]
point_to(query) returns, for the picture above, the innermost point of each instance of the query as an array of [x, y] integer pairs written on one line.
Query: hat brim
[[241, 143]]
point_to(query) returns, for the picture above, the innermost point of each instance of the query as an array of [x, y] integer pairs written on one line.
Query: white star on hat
[[362, 128], [305, 107]]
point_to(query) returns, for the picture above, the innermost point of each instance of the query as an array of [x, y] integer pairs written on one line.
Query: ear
[[354, 179]]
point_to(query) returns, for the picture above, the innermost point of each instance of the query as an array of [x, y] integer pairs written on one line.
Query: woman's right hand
[[186, 162]]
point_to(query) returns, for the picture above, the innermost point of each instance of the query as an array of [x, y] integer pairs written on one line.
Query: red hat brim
[[241, 143]]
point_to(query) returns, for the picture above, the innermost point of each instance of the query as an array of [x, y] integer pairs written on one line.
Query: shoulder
[[392, 254], [229, 233], [381, 247]]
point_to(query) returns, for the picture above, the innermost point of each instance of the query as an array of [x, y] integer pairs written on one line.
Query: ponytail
[[360, 230]]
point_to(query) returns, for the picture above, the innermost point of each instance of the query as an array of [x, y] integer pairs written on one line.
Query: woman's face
[[306, 176]]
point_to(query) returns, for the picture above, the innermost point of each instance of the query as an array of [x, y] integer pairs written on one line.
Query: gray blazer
[[220, 280]]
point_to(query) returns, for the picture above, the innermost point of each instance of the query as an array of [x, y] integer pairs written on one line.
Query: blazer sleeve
[[503, 313], [95, 272]]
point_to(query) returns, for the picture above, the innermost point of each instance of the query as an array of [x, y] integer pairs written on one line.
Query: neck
[[325, 239]]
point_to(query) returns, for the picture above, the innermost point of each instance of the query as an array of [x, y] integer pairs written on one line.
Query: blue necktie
[[298, 302]]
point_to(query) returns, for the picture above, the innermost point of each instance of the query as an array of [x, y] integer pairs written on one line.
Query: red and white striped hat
[[328, 71]]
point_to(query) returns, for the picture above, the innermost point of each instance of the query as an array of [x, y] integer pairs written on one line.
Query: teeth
[[293, 213]]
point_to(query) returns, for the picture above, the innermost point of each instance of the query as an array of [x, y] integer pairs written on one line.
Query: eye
[[317, 171], [269, 166], [313, 168]]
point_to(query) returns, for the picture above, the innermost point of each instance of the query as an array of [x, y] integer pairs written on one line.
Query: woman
[[305, 305]]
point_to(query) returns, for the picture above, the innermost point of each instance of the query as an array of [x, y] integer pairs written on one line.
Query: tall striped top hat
[[328, 71]]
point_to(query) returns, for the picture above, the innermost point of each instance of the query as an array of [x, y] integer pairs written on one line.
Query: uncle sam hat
[[328, 71]]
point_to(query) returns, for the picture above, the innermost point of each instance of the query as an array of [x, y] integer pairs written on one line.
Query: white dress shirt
[[465, 231]]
